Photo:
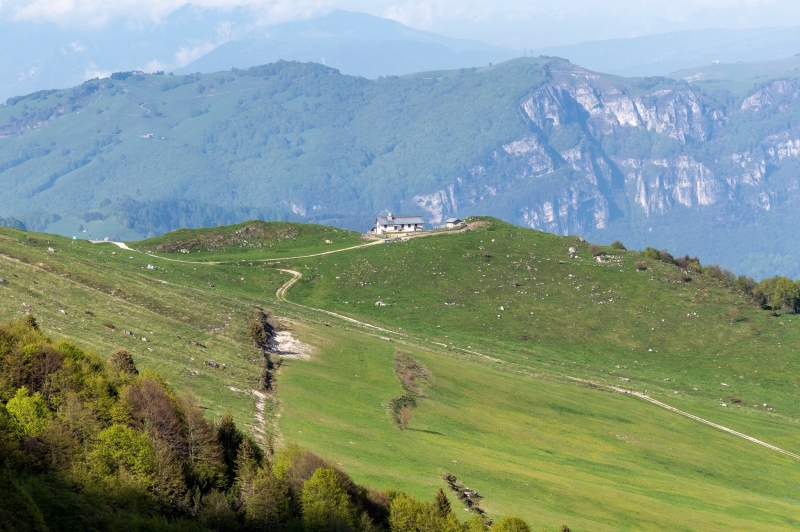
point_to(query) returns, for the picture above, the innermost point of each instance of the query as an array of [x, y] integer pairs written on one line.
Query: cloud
[[186, 55], [517, 22], [96, 72]]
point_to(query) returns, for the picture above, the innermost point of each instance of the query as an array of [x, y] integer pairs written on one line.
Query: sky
[[509, 23]]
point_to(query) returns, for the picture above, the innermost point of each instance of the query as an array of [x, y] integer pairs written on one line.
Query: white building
[[452, 223], [398, 224]]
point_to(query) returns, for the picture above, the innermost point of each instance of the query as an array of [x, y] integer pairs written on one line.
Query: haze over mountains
[[43, 55], [666, 53], [37, 55]]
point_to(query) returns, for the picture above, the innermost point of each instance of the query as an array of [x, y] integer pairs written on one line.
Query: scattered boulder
[[151, 267], [196, 343], [380, 304], [211, 363], [3, 281], [51, 250]]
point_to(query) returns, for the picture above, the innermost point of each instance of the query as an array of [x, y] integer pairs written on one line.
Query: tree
[[216, 514], [122, 450], [31, 322], [247, 467], [18, 511], [266, 504], [475, 524], [205, 452], [616, 244], [408, 514], [443, 503], [29, 411], [511, 524], [122, 362], [230, 438], [785, 294], [326, 505]]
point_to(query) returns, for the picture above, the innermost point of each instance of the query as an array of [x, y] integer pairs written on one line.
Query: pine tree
[[443, 503], [230, 437]]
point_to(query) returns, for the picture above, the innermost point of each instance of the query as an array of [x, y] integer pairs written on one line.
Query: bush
[[511, 524], [401, 409], [596, 250], [122, 362], [652, 253], [616, 244]]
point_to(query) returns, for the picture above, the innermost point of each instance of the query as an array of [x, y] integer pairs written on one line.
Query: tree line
[[775, 293], [89, 444]]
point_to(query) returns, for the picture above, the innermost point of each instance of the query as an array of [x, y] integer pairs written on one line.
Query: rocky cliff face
[[601, 148]]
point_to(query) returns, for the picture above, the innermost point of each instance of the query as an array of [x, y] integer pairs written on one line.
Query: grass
[[512, 426], [255, 240], [552, 452], [516, 294]]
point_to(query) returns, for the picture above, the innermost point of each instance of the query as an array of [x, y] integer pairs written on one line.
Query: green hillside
[[538, 142], [522, 348]]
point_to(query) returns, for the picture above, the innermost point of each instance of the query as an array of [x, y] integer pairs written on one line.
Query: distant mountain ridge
[[663, 54], [355, 43], [539, 142], [40, 55]]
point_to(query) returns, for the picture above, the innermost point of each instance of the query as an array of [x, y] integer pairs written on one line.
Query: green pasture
[[501, 412], [552, 452], [250, 241], [516, 294]]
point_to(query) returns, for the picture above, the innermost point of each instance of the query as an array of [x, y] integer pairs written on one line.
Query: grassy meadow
[[552, 452], [501, 317]]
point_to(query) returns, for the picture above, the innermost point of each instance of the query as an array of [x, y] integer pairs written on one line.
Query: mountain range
[[539, 142], [45, 55]]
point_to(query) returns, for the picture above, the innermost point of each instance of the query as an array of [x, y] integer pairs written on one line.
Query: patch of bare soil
[[287, 346]]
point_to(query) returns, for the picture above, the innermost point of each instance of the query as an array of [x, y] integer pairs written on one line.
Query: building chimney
[[389, 216]]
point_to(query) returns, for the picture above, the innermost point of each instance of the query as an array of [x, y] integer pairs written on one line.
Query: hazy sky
[[517, 23]]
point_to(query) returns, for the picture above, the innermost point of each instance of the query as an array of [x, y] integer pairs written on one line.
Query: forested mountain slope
[[538, 142]]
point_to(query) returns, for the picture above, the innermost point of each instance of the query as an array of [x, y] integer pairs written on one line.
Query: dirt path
[[281, 295], [283, 290], [215, 263]]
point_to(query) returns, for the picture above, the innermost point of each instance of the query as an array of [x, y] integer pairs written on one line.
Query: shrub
[[616, 244], [511, 524], [652, 253], [596, 250], [640, 266], [122, 362], [744, 284], [401, 409]]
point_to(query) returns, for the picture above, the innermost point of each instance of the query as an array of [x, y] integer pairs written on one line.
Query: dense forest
[[88, 445]]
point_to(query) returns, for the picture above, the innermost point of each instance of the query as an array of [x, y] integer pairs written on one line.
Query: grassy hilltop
[[501, 320]]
